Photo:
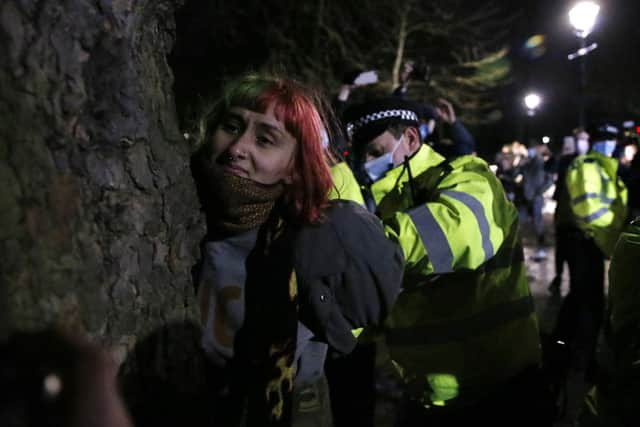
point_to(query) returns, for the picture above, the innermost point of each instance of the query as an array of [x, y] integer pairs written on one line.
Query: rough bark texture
[[99, 220]]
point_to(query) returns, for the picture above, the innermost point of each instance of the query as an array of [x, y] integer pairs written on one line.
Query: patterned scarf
[[233, 204], [266, 343]]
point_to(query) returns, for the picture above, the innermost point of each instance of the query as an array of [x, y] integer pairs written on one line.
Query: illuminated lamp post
[[583, 18], [532, 102]]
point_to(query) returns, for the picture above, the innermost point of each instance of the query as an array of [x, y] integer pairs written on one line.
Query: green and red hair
[[299, 109]]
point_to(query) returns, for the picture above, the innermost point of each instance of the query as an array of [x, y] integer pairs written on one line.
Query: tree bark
[[402, 39], [99, 219]]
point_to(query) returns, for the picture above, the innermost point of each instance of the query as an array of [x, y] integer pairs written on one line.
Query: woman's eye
[[230, 127], [263, 140]]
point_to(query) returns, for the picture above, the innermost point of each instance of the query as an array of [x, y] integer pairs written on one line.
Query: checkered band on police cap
[[371, 118], [403, 115]]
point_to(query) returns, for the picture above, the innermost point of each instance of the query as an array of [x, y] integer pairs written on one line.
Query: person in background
[[463, 333], [613, 401], [573, 146], [439, 126], [629, 171], [598, 204], [536, 181], [272, 303]]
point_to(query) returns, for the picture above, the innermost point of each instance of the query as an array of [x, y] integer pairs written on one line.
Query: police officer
[[613, 401], [597, 200], [463, 332]]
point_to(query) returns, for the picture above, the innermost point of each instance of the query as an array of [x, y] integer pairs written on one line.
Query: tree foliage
[[462, 42]]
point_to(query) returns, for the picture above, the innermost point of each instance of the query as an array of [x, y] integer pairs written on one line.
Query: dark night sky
[[612, 69]]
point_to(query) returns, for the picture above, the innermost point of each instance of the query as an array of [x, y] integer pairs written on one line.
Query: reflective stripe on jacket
[[464, 322], [598, 198]]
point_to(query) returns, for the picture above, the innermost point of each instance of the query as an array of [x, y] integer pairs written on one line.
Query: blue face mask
[[604, 147], [379, 166], [424, 131]]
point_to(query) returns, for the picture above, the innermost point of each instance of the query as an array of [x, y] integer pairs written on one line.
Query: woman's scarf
[[266, 343], [232, 204], [240, 204]]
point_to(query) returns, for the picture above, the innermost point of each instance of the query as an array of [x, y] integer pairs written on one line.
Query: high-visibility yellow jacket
[[464, 323], [614, 399], [345, 185], [598, 198]]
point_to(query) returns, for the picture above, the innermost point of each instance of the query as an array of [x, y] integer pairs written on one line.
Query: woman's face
[[254, 145]]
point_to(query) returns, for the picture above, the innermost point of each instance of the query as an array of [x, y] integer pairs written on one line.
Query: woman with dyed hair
[[285, 273]]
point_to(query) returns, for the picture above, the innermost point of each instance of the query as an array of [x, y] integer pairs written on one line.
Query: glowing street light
[[583, 17], [532, 102], [546, 139]]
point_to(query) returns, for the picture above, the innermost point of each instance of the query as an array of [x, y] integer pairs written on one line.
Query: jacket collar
[[422, 160]]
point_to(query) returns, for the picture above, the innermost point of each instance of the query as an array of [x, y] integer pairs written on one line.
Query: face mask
[[379, 166], [604, 147], [424, 131], [324, 139], [582, 146]]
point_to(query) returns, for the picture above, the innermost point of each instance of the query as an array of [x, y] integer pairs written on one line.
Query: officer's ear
[[412, 136]]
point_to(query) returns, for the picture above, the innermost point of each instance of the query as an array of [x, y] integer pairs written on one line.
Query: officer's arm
[[456, 231]]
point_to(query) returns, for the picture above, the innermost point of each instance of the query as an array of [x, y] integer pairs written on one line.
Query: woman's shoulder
[[349, 273], [346, 227], [348, 239]]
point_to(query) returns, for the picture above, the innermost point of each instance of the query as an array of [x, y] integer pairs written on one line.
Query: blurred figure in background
[[573, 146], [613, 401], [536, 181], [597, 200]]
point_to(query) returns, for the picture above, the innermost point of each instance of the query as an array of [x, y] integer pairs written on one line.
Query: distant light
[[546, 139], [186, 135], [534, 41], [628, 124], [637, 129], [583, 17], [52, 385], [532, 101]]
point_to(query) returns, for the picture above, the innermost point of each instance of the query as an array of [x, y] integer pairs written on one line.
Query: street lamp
[[583, 18], [532, 101]]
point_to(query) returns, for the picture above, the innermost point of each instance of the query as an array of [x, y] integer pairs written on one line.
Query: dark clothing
[[524, 402], [356, 285], [535, 181], [562, 215], [582, 311], [562, 249], [463, 142], [631, 177], [243, 280]]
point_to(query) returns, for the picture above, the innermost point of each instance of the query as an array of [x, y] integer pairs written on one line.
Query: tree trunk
[[99, 220], [402, 39]]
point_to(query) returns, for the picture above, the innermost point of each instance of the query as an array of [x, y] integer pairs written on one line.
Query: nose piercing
[[230, 157]]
